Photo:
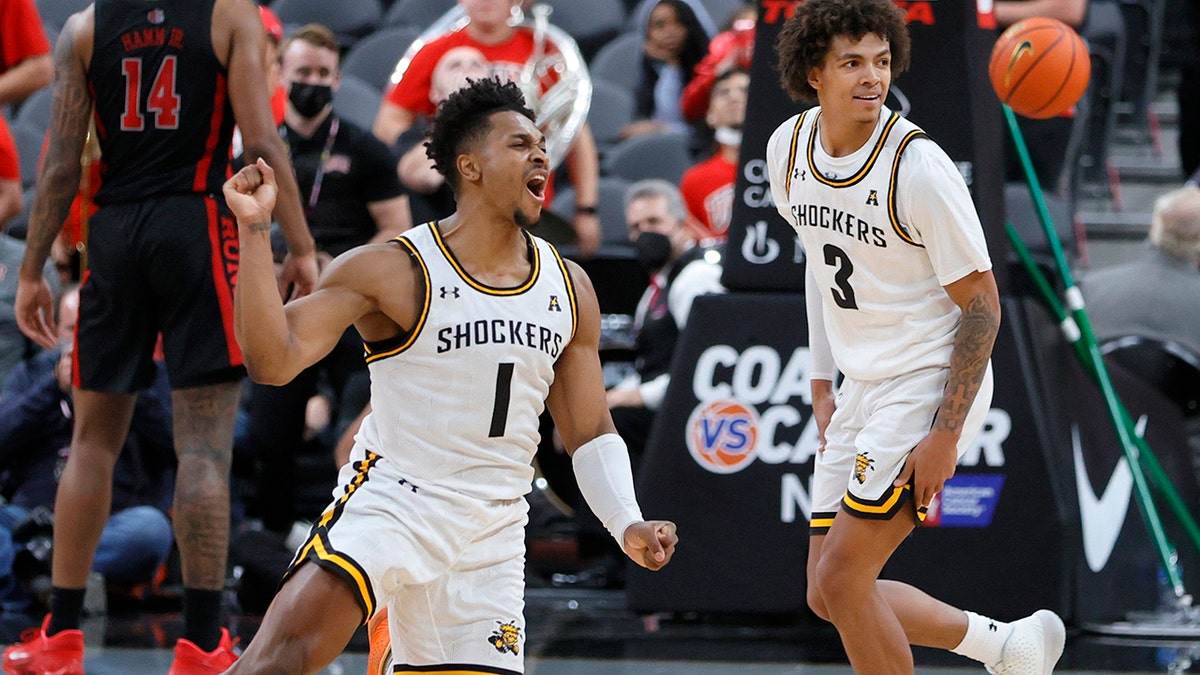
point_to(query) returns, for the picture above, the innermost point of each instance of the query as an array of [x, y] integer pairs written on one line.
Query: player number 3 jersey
[[456, 402], [884, 229]]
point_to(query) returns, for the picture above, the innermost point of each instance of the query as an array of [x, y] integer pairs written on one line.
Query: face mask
[[310, 99], [728, 136], [653, 251]]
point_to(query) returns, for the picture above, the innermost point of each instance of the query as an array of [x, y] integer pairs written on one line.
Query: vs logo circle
[[721, 435]]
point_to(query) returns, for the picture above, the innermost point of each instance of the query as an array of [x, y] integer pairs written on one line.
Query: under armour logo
[[554, 306], [799, 173], [410, 485], [449, 292], [992, 626], [873, 198]]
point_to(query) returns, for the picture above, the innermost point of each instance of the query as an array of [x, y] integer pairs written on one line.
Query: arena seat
[[350, 20], [663, 156], [373, 58]]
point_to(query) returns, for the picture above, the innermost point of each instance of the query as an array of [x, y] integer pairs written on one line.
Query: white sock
[[984, 640]]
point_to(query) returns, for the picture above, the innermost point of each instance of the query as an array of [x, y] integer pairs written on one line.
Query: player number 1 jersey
[[457, 402]]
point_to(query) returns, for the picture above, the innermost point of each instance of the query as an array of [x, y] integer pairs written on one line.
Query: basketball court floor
[[573, 632]]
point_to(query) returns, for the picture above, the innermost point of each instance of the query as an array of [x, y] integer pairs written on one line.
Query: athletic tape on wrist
[[605, 478]]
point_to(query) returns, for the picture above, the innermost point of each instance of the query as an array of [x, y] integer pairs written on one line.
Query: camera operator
[[36, 422]]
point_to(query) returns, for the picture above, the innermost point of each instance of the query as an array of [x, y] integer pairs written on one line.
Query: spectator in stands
[[351, 195], [674, 43], [15, 347], [25, 67], [430, 197], [659, 227], [708, 187], [732, 48], [640, 14], [1046, 139], [679, 271], [1157, 295], [507, 48], [35, 436]]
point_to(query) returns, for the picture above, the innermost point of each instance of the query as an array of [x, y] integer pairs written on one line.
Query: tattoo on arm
[[968, 362], [59, 179], [259, 226]]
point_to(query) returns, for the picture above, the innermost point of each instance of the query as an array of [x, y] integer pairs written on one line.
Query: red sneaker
[[191, 660], [36, 654]]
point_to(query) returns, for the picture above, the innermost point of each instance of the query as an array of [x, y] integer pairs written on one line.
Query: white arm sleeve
[[820, 355], [605, 478]]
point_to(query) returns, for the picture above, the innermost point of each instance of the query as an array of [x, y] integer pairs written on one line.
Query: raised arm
[[278, 342], [58, 181]]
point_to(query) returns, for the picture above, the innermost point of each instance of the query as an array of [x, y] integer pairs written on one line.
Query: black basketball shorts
[[168, 265]]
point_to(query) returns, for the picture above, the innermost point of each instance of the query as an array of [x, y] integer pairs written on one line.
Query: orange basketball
[[1039, 67]]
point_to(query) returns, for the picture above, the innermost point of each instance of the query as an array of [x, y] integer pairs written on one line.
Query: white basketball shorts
[[449, 568], [874, 429]]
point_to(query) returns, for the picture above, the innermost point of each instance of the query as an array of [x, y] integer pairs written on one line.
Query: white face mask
[[728, 136]]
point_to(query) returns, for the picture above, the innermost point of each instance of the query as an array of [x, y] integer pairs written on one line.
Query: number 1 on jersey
[[163, 100], [503, 395]]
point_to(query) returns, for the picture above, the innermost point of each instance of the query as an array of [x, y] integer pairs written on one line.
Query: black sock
[[66, 604], [202, 617]]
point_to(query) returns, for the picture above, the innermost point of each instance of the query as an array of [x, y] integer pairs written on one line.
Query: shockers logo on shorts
[[722, 435]]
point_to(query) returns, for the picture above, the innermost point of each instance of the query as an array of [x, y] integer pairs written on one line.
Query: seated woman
[[674, 43]]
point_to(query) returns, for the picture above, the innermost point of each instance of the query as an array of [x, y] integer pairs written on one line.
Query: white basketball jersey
[[883, 229], [456, 402]]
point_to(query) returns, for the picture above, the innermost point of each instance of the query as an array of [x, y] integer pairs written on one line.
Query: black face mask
[[310, 99], [653, 251]]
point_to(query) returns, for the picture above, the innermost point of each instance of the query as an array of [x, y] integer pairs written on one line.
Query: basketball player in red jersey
[[166, 80]]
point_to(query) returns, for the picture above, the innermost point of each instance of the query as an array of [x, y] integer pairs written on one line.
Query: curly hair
[[805, 38], [465, 117]]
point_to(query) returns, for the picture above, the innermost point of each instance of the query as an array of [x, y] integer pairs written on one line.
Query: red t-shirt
[[708, 192], [507, 59], [21, 36]]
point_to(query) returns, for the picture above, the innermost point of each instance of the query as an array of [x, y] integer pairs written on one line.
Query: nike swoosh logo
[[1026, 47], [1101, 518]]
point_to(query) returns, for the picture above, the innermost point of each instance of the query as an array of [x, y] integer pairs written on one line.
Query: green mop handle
[[1157, 473], [1080, 329]]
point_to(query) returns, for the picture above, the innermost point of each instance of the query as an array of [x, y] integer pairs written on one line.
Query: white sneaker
[[1033, 647]]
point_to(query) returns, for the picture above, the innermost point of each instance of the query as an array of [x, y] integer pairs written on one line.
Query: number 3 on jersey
[[163, 100], [843, 295]]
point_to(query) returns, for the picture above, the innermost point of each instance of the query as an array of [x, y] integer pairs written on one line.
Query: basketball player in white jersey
[[901, 300], [471, 327]]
